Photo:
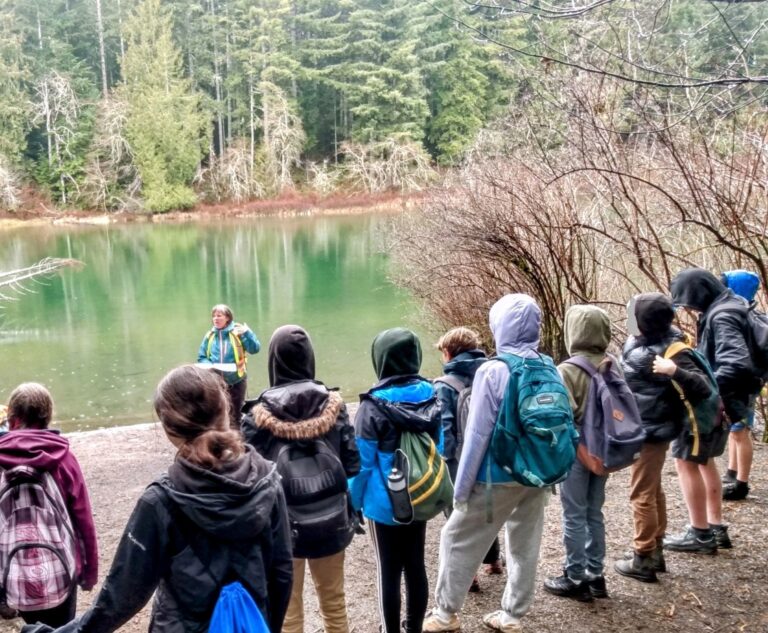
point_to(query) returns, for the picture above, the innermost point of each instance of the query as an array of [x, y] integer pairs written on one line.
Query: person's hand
[[240, 329], [665, 366]]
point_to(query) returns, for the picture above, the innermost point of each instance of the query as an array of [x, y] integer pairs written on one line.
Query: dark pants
[[237, 399], [56, 617], [400, 550]]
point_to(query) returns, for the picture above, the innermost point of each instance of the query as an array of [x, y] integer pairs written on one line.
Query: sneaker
[[567, 588], [721, 536], [433, 623], [494, 568], [597, 586], [638, 567], [737, 491], [475, 586], [692, 541], [495, 621]]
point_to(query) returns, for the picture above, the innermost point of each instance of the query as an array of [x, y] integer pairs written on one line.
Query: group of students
[[294, 481]]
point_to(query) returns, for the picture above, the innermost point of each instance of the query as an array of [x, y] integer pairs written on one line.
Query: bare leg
[[714, 491], [742, 445], [692, 487]]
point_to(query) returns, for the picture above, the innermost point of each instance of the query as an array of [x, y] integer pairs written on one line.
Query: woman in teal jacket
[[227, 343]]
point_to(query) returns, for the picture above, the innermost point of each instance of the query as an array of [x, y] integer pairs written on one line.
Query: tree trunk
[[217, 79], [102, 54], [120, 32]]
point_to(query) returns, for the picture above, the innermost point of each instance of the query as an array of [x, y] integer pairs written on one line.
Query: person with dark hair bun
[[217, 516]]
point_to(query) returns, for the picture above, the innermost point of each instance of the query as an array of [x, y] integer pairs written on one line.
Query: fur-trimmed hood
[[296, 411]]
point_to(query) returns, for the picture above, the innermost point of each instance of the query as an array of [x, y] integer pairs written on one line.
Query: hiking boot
[[657, 559], [638, 567], [495, 621], [721, 536], [729, 477], [494, 568], [692, 540], [737, 491], [475, 586], [567, 588], [596, 586], [433, 623]]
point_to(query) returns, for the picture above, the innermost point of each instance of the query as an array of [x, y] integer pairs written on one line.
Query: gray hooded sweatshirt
[[515, 321]]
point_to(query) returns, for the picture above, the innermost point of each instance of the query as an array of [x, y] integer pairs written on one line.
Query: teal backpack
[[534, 440]]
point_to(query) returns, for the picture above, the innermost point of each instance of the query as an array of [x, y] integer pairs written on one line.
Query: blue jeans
[[582, 495]]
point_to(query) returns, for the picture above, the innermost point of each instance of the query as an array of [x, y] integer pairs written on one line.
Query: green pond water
[[100, 338]]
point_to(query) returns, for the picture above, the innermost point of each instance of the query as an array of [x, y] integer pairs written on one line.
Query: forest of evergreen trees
[[107, 102], [157, 104]]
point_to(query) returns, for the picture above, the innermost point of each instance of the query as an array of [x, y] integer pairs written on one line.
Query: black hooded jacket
[[722, 336], [297, 409], [234, 528], [661, 410]]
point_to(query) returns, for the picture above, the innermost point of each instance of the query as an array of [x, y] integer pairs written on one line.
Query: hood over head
[[744, 283], [291, 356], [41, 449], [515, 321], [587, 330], [695, 288], [654, 314], [396, 352], [233, 503]]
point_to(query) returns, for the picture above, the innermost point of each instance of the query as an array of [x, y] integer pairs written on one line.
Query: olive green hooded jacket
[[587, 333]]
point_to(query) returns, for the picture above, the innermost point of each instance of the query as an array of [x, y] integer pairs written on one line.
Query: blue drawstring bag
[[236, 612]]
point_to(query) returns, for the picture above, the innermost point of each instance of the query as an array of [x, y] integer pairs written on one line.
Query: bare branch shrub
[[230, 176], [592, 202], [392, 164], [322, 178], [283, 136], [112, 181], [57, 109], [9, 187]]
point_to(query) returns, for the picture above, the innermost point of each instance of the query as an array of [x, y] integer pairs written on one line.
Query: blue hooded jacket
[[395, 404]]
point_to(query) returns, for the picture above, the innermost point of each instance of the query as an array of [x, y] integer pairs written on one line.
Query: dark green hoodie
[[588, 334]]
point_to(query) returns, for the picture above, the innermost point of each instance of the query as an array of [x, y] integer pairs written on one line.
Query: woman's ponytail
[[193, 407]]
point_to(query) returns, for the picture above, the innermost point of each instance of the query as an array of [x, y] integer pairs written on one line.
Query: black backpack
[[462, 407], [316, 492], [756, 330]]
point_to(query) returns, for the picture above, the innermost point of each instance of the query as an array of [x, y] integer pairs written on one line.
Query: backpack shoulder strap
[[452, 381], [675, 348], [583, 364]]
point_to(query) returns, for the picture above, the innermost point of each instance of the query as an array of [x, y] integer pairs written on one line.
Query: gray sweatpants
[[466, 536]]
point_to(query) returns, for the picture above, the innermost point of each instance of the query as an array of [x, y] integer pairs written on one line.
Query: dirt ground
[[723, 593]]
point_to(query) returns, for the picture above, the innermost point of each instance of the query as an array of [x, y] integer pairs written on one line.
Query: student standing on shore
[[745, 284], [587, 331], [400, 401], [217, 516], [724, 341], [42, 482], [663, 415], [227, 343], [462, 357], [304, 428], [515, 321]]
